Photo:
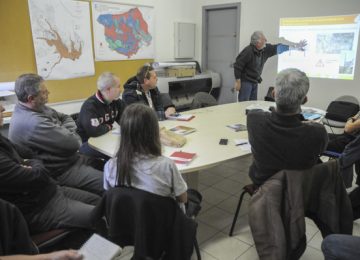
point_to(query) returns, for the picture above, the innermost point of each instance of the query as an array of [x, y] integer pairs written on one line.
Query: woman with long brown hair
[[139, 162]]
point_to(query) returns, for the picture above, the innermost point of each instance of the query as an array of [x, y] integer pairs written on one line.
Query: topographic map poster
[[62, 38], [122, 32]]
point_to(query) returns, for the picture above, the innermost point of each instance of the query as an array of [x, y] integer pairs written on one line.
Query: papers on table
[[116, 131], [258, 107], [311, 113], [182, 130], [311, 116], [99, 248], [238, 127], [181, 117], [243, 144]]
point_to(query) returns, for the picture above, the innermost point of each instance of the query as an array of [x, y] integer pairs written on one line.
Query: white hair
[[255, 37], [106, 80], [291, 88]]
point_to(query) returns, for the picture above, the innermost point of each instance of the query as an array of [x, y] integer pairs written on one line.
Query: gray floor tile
[[228, 186], [312, 254], [249, 254], [205, 232], [214, 196], [209, 180], [216, 218], [224, 247], [230, 205], [242, 230]]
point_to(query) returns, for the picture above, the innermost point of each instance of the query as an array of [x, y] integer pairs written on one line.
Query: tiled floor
[[221, 188]]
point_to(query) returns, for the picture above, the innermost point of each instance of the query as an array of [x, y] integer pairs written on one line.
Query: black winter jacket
[[133, 93], [96, 114], [29, 188]]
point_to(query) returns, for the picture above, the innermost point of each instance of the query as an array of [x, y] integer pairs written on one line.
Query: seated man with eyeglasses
[[142, 88]]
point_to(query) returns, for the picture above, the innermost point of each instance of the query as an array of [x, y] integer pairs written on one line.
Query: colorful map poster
[[62, 38], [122, 32]]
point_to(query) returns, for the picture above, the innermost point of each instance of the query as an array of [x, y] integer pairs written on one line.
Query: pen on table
[[242, 143]]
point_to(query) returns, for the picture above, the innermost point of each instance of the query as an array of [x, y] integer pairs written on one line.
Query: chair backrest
[[74, 116], [14, 234], [203, 99], [166, 100], [269, 95], [347, 98], [340, 110], [277, 217], [147, 221]]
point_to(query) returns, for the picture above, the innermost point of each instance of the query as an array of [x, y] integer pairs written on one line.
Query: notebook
[[311, 116], [182, 130], [181, 117], [182, 157], [238, 127], [99, 248]]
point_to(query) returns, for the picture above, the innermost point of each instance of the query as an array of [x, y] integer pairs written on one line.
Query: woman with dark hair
[[139, 162]]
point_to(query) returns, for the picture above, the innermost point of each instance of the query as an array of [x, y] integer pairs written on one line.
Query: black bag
[[341, 110], [193, 205]]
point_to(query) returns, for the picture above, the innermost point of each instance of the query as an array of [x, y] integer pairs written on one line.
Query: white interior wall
[[264, 15], [255, 15], [166, 13]]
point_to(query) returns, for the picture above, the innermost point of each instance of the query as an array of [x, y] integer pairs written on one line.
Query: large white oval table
[[211, 125]]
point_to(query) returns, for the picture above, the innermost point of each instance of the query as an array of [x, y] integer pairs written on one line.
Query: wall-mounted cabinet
[[184, 40]]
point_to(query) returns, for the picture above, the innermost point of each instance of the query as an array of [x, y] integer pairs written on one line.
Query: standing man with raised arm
[[250, 62], [100, 111]]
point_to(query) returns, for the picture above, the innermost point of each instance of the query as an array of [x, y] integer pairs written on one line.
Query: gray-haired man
[[100, 111], [51, 135], [250, 63], [281, 139]]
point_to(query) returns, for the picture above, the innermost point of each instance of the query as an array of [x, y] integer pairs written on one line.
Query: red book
[[182, 157]]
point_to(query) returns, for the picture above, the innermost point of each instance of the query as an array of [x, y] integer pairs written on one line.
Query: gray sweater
[[51, 135]]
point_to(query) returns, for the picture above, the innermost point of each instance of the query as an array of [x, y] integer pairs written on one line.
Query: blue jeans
[[340, 247], [248, 91]]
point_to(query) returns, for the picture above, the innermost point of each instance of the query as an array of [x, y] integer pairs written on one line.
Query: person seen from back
[[281, 139], [139, 162]]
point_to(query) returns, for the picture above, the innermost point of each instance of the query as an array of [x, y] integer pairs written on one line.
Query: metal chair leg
[[237, 213], [197, 249]]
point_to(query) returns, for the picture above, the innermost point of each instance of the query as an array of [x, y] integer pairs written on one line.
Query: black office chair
[[153, 224], [74, 116], [338, 112], [203, 99], [14, 234], [269, 95]]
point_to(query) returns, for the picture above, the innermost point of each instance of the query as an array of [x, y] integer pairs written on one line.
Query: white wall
[[255, 15], [166, 13], [265, 14]]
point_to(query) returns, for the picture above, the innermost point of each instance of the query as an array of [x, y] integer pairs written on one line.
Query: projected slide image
[[332, 45], [334, 42]]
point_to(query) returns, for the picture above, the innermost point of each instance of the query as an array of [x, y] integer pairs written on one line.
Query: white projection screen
[[331, 45]]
